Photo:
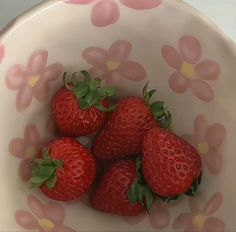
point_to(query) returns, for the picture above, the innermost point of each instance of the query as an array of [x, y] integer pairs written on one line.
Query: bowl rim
[[35, 10]]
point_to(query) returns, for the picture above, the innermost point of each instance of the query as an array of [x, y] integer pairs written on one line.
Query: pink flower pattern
[[2, 52], [191, 72], [107, 12], [208, 140], [33, 80], [113, 64], [159, 217], [201, 217], [43, 217], [26, 149]]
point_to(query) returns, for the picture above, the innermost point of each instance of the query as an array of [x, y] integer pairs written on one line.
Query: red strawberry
[[123, 133], [111, 193], [65, 170], [170, 164], [79, 108]]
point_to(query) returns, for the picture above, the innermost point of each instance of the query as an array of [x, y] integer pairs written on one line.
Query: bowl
[[184, 56]]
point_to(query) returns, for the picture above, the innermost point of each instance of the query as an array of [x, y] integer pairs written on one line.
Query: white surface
[[221, 12]]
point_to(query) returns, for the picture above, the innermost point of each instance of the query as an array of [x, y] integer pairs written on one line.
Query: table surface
[[221, 12]]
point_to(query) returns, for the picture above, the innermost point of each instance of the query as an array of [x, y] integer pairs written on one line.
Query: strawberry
[[123, 133], [65, 170], [171, 166], [111, 193], [79, 108]]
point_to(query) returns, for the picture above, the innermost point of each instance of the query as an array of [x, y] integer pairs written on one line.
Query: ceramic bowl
[[126, 43]]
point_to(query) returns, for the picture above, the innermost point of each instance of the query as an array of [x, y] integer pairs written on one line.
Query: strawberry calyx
[[89, 92], [158, 108], [139, 191], [44, 171]]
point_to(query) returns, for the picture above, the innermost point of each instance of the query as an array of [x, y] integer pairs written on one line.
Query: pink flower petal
[[178, 83], [16, 77], [214, 161], [182, 221], [79, 1], [36, 206], [119, 50], [197, 204], [215, 135], [104, 13], [159, 217], [200, 126], [214, 224], [171, 56], [208, 70], [53, 72], [202, 90], [98, 71], [135, 220], [113, 79], [37, 62], [32, 136], [132, 70], [190, 49], [2, 52], [23, 98], [141, 4], [25, 169], [95, 56], [42, 91], [55, 212], [214, 203], [17, 147], [26, 220]]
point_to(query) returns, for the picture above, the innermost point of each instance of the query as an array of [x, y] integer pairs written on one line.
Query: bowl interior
[[127, 43]]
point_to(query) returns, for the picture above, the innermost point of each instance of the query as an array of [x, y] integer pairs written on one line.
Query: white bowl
[[127, 42]]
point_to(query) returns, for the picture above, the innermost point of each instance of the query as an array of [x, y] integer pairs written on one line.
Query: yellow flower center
[[203, 148], [199, 221], [187, 70], [46, 224], [30, 152], [112, 65], [33, 80]]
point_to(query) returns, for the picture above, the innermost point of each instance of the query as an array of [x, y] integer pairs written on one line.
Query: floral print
[[208, 140], [190, 71], [32, 80], [2, 52], [113, 64], [201, 217], [43, 217], [26, 149], [159, 217], [107, 12]]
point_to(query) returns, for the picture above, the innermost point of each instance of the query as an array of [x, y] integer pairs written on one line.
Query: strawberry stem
[[44, 171], [89, 92]]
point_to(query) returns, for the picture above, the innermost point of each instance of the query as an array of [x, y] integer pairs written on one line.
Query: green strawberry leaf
[[149, 199], [44, 171], [106, 92], [81, 90], [92, 98], [95, 83], [133, 193], [51, 183], [102, 108], [140, 192], [83, 104]]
